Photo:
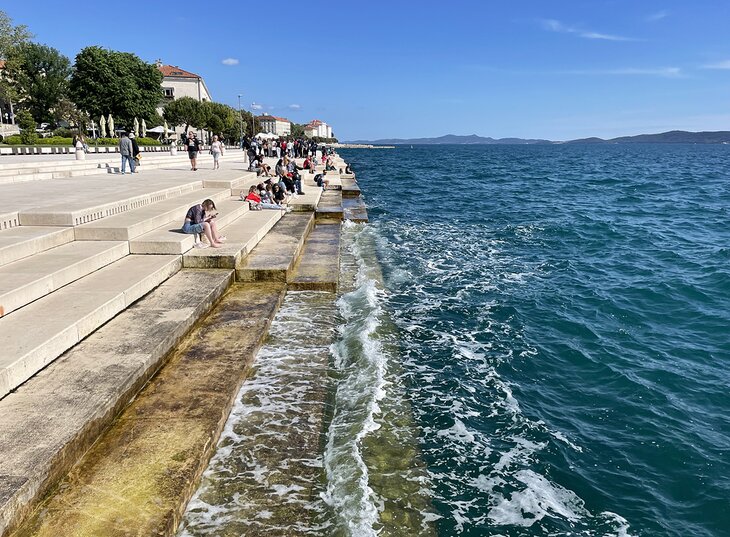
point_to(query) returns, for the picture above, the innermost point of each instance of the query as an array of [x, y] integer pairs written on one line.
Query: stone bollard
[[173, 150], [80, 154]]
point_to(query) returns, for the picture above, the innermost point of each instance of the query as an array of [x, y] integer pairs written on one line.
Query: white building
[[275, 125], [318, 128], [177, 83]]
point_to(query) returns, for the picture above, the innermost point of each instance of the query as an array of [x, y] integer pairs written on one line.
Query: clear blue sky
[[375, 69]]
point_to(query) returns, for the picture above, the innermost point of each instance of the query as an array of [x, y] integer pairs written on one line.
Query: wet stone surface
[[267, 474]]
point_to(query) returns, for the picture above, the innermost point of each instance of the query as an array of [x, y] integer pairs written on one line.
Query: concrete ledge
[[319, 267], [37, 334], [275, 256], [243, 235], [23, 241], [52, 420], [354, 209], [29, 279]]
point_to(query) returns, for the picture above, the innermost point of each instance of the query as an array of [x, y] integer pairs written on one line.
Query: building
[[318, 128], [275, 125], [177, 83]]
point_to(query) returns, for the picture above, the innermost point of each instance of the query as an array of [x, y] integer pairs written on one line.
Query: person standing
[[136, 156], [125, 149], [216, 149], [193, 146]]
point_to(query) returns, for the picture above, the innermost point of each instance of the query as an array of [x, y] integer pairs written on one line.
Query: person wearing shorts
[[200, 220], [193, 146]]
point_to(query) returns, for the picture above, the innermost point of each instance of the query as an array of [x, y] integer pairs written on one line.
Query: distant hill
[[449, 139], [671, 137]]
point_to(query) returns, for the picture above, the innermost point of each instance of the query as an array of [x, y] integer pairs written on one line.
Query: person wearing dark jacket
[[135, 151]]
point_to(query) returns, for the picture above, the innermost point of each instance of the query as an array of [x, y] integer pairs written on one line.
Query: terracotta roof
[[315, 123], [174, 71], [266, 116]]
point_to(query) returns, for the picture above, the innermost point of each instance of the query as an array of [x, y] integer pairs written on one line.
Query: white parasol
[[102, 127]]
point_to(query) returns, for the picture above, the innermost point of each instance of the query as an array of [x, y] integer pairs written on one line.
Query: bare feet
[[217, 244]]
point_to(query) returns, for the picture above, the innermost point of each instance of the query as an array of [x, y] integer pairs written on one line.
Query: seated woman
[[330, 165], [200, 219], [308, 164], [256, 203], [348, 169]]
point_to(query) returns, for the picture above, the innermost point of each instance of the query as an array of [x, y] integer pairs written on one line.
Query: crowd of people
[[280, 185]]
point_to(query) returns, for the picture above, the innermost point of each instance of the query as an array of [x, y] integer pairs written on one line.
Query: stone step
[[37, 334], [319, 265], [23, 241], [350, 189], [131, 224], [243, 235], [169, 238], [29, 279], [85, 205], [49, 422], [275, 256], [235, 180], [138, 477], [355, 210], [330, 206]]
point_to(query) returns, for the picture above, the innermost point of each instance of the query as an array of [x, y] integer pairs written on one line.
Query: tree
[[297, 130], [221, 119], [11, 36], [118, 83], [65, 110], [39, 77], [186, 111], [28, 135]]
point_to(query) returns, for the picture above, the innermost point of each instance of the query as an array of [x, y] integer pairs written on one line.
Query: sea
[[530, 340]]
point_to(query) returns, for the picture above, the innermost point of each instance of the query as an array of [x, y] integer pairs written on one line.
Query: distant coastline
[[670, 137]]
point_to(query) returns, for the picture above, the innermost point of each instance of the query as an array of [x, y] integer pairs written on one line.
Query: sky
[[554, 69]]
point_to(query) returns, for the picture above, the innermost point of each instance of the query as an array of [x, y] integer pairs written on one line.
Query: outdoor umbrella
[[136, 126], [167, 131], [102, 127], [110, 124], [144, 128]]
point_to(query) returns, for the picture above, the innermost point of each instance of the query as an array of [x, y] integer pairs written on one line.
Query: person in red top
[[255, 200], [308, 165]]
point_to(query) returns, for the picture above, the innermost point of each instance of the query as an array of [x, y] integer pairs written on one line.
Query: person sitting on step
[[200, 220]]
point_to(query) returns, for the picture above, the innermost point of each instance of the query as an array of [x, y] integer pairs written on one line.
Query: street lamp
[[240, 120], [253, 120]]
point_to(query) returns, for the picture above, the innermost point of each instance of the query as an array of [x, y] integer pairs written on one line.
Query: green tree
[[106, 81], [39, 76], [186, 111], [67, 111], [26, 123], [10, 36], [222, 119], [297, 130]]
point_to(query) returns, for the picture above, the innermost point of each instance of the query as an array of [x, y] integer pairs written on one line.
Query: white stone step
[[86, 206], [234, 180], [23, 241], [31, 278], [131, 224], [34, 336], [169, 238], [242, 236]]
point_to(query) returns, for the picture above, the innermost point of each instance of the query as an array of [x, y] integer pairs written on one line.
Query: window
[[169, 93]]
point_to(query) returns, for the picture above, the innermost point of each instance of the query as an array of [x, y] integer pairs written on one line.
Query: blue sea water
[[562, 333]]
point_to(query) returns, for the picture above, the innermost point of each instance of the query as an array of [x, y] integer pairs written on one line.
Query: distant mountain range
[[671, 137]]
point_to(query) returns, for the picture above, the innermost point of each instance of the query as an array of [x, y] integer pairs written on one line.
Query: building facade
[[318, 128], [178, 83], [275, 125]]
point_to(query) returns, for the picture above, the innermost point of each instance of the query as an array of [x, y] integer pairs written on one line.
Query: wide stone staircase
[[98, 283]]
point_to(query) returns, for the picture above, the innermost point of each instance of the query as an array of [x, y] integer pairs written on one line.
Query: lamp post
[[253, 120], [240, 120]]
